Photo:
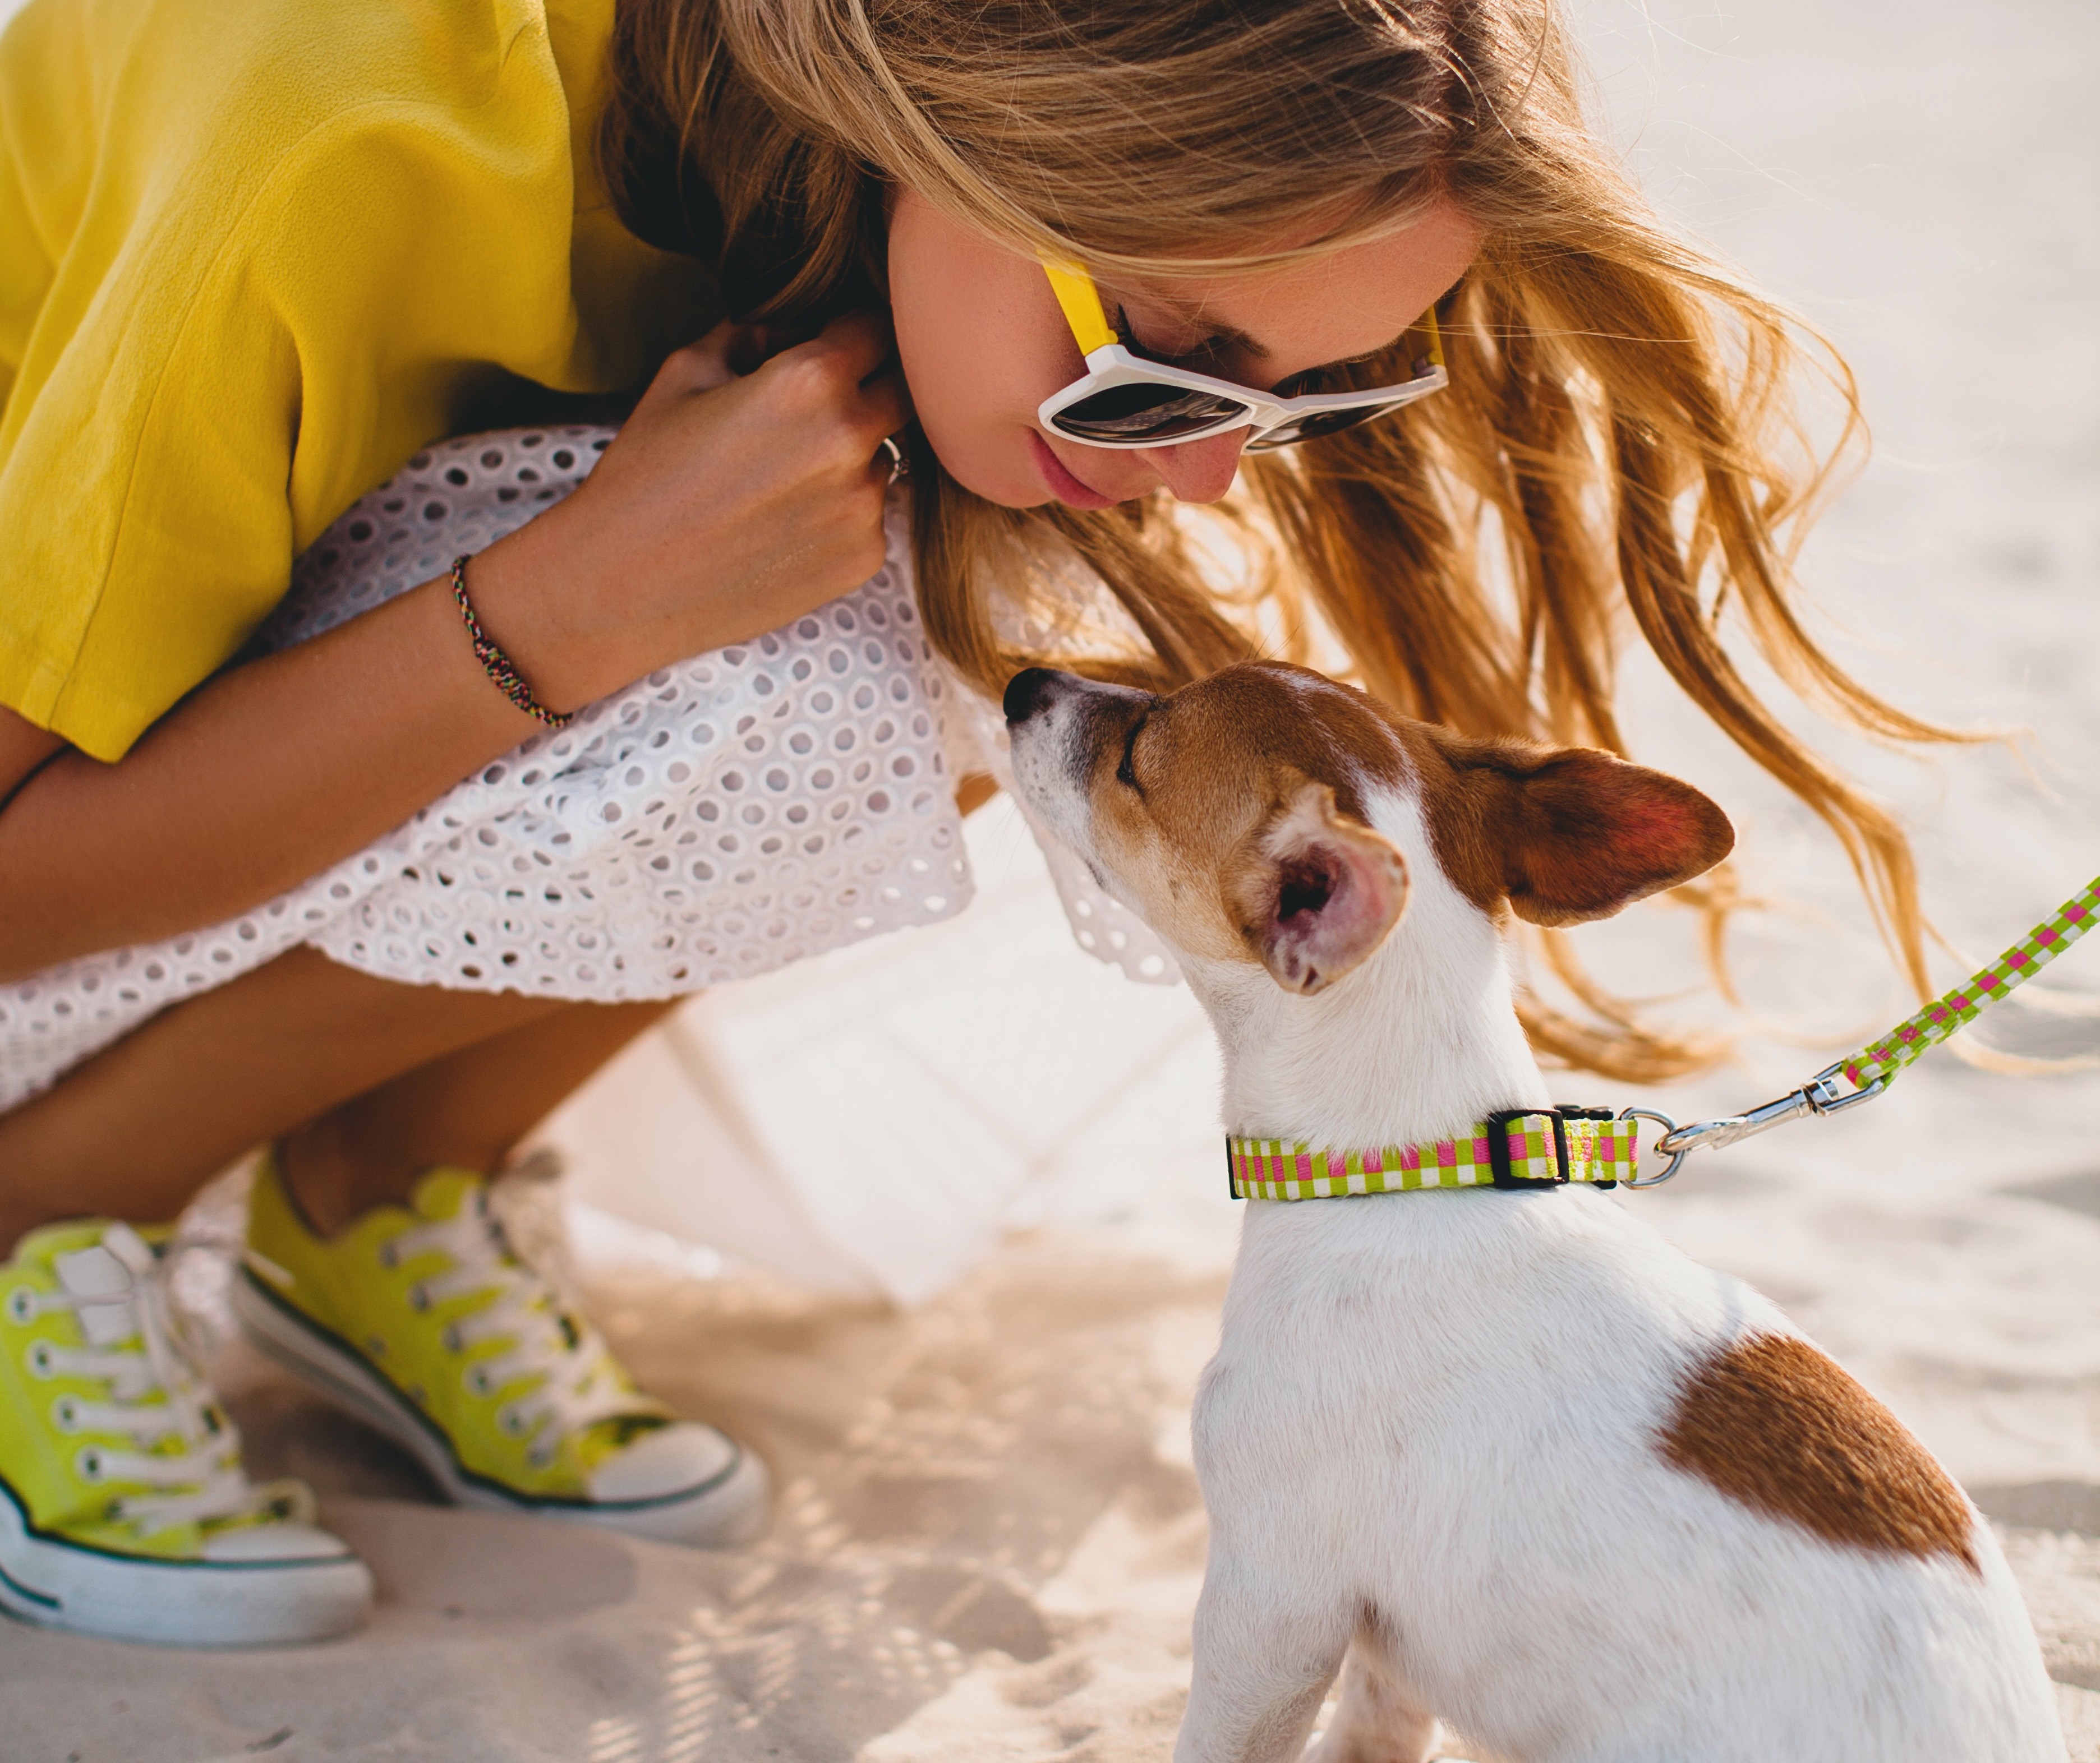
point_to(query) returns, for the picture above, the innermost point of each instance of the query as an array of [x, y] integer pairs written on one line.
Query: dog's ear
[[1570, 834], [1313, 891]]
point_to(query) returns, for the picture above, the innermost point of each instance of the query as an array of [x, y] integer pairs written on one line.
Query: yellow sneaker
[[124, 1511], [419, 1320]]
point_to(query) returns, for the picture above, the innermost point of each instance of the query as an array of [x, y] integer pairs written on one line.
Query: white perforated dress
[[718, 819]]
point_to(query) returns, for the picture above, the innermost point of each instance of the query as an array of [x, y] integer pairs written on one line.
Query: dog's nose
[[1026, 692]]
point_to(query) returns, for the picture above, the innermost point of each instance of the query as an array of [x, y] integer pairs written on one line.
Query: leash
[[1877, 1066]]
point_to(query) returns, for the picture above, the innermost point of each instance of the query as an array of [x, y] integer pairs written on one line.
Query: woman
[[245, 271]]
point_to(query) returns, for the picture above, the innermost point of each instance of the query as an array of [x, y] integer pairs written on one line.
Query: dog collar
[[1512, 1147]]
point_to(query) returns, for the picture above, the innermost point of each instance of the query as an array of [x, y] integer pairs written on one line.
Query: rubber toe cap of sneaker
[[687, 1483], [285, 1541]]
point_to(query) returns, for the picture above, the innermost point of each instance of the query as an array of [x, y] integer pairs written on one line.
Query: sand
[[938, 1223]]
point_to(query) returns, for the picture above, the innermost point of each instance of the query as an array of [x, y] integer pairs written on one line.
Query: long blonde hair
[[1620, 437]]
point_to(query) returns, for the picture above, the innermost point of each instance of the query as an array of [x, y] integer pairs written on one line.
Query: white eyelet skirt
[[718, 819]]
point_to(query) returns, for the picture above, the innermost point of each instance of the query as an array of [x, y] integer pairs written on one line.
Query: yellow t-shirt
[[254, 254]]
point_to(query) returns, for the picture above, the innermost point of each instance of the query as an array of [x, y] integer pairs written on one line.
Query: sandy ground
[[989, 1540]]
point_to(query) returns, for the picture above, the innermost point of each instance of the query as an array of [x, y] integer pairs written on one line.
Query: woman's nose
[[1198, 471]]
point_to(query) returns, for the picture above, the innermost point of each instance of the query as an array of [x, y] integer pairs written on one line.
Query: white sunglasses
[[1124, 400]]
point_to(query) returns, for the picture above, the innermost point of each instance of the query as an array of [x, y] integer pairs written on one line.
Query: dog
[[1531, 1470]]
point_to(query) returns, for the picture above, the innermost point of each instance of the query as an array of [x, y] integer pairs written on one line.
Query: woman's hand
[[730, 502]]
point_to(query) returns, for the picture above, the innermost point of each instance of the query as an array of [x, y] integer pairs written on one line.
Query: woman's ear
[[1576, 835], [1313, 892]]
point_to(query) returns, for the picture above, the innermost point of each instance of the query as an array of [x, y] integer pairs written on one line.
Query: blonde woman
[[252, 259]]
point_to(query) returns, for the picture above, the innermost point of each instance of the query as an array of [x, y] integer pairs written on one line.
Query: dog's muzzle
[[1054, 721]]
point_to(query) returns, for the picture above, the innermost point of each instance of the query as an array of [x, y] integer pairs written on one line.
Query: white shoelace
[[574, 1383], [203, 1479]]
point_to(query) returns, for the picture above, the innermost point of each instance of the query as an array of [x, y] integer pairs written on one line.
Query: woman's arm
[[24, 747], [726, 506]]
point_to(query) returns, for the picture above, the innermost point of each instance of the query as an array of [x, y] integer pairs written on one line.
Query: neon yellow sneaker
[[126, 1513], [419, 1320]]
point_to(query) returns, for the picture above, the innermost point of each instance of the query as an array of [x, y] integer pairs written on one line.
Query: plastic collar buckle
[[1499, 1147], [1499, 1144]]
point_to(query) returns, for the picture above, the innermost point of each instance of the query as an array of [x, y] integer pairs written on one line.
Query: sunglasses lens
[[1311, 428], [1146, 411]]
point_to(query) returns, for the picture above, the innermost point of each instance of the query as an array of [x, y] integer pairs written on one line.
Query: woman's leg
[[509, 1400], [467, 1110], [132, 1133]]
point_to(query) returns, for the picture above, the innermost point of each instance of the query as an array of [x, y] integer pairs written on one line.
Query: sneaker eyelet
[[389, 1257], [419, 1300], [22, 1306], [477, 1382], [41, 1359], [90, 1464], [450, 1339], [65, 1414]]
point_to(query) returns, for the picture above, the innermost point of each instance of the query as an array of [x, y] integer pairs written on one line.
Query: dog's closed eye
[[1127, 769]]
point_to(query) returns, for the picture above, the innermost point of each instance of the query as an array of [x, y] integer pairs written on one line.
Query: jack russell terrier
[[1472, 1423]]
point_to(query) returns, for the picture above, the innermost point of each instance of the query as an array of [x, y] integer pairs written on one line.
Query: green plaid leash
[[1545, 1148], [1883, 1059], [1876, 1066]]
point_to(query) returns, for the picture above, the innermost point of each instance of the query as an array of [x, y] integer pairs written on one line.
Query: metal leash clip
[[1819, 1095]]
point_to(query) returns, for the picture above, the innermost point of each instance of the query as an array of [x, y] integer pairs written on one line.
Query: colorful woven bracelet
[[497, 665]]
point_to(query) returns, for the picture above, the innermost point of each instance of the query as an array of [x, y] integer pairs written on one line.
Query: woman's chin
[[1001, 475], [1022, 473], [1005, 493]]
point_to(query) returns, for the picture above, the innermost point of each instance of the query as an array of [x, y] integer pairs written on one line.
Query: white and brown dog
[[1532, 1470]]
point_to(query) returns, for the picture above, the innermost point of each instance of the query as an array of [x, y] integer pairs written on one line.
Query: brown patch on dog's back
[[1780, 1428]]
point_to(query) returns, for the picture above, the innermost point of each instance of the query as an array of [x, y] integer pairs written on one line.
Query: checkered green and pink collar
[[1514, 1149]]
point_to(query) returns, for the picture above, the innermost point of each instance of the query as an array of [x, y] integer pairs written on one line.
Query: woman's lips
[[1067, 488]]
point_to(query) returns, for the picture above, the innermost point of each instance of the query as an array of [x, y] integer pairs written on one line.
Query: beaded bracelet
[[497, 665]]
